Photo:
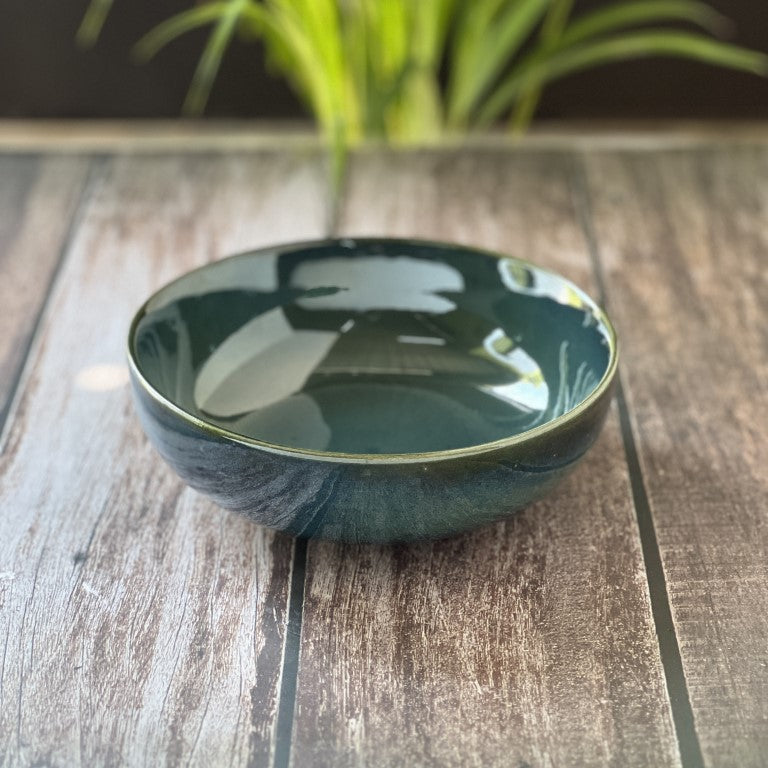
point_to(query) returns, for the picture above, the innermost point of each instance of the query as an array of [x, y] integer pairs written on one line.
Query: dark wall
[[44, 74]]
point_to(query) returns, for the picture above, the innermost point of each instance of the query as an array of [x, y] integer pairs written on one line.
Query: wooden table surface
[[621, 622]]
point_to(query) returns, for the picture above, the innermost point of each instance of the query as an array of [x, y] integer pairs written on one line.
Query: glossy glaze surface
[[381, 348], [372, 389]]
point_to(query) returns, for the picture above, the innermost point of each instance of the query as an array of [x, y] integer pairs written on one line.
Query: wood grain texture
[[38, 200], [682, 237], [139, 625], [529, 643]]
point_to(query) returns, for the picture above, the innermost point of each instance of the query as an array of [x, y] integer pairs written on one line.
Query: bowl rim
[[379, 458]]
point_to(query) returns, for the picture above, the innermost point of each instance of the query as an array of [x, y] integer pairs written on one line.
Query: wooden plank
[[38, 199], [163, 136], [140, 625], [682, 238], [529, 643]]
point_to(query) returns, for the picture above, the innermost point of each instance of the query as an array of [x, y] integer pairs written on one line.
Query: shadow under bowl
[[372, 389]]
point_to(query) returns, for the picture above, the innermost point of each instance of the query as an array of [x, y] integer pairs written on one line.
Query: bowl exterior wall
[[368, 502]]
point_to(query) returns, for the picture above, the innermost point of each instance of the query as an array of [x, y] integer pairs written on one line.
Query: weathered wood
[[529, 643], [682, 238], [163, 136], [139, 624], [38, 199]]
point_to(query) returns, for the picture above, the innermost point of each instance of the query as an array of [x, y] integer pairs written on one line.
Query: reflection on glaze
[[521, 278], [260, 275], [376, 352], [260, 364], [376, 282]]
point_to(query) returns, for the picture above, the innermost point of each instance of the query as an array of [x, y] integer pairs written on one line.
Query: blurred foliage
[[414, 70]]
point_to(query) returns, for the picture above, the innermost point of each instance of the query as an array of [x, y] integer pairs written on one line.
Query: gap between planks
[[666, 634], [39, 196], [428, 194], [36, 349], [95, 173]]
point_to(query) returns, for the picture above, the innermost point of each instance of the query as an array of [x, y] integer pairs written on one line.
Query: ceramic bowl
[[372, 389]]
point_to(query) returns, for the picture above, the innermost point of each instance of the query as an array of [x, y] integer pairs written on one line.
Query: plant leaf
[[421, 115], [210, 61], [551, 31], [497, 40], [618, 16], [292, 52], [637, 12], [472, 23], [631, 46], [355, 41], [93, 22], [168, 30], [294, 48]]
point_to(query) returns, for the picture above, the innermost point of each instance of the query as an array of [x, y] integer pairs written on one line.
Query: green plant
[[412, 70]]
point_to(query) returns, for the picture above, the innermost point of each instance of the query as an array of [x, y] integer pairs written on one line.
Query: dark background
[[44, 74]]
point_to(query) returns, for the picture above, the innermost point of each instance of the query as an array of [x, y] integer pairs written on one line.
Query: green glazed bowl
[[372, 389]]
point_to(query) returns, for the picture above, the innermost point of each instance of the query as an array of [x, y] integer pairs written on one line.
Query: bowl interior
[[372, 346]]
